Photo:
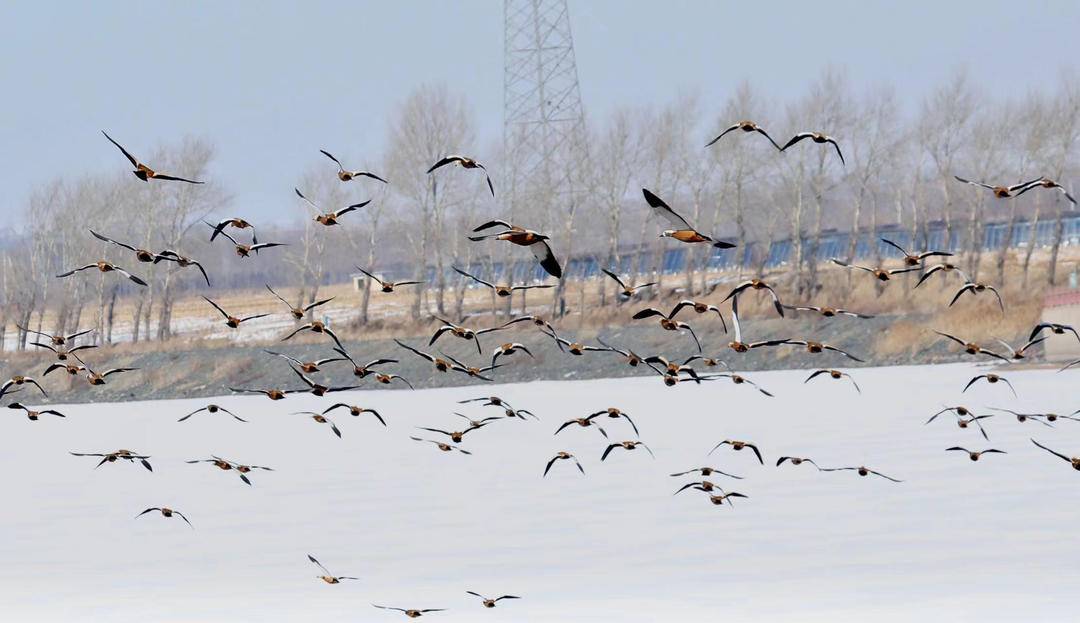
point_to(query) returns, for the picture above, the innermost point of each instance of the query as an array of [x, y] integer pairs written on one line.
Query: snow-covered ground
[[993, 540]]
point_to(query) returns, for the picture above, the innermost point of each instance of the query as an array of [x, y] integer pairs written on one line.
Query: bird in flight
[[563, 456], [233, 321], [330, 218], [346, 175], [166, 512], [105, 267], [817, 137], [534, 241], [501, 290], [745, 126], [626, 291], [684, 232], [1001, 192], [489, 602], [144, 172], [328, 577], [466, 163]]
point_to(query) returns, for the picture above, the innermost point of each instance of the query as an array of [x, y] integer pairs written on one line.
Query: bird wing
[[543, 252], [665, 210], [795, 139], [331, 156], [218, 307], [134, 162], [445, 161], [729, 129], [318, 303], [614, 276], [173, 178], [306, 200]]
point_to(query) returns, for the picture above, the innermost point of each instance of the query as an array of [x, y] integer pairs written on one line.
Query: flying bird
[[411, 612], [142, 255], [318, 389], [346, 175], [574, 348], [1054, 328], [667, 321], [212, 408], [363, 370], [861, 470], [488, 602], [973, 455], [33, 415], [817, 137], [626, 291], [234, 222], [1001, 192], [307, 367], [972, 348], [105, 267], [814, 347], [461, 332], [738, 446], [534, 241], [881, 274], [144, 172], [626, 445], [18, 380], [836, 374], [757, 284], [1046, 183], [182, 261], [992, 379], [827, 311], [507, 349], [796, 460], [500, 290], [245, 250], [330, 218], [387, 286], [355, 411], [272, 393], [706, 472], [465, 163], [445, 447], [684, 232], [914, 259], [328, 577], [941, 268], [563, 456], [976, 288], [745, 126], [58, 339], [321, 419], [233, 321], [112, 457], [316, 326], [166, 512]]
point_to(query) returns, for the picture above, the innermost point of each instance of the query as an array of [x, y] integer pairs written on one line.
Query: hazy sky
[[272, 83]]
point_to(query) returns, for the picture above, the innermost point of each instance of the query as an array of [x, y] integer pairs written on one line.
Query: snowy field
[[993, 540]]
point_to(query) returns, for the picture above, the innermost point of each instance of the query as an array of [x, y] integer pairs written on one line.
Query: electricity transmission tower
[[544, 123]]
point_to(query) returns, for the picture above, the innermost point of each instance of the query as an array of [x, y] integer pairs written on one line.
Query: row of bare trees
[[899, 171]]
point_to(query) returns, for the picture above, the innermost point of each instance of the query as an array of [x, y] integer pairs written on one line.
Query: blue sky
[[272, 83]]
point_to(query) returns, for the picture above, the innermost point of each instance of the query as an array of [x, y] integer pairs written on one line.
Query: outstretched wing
[[664, 210]]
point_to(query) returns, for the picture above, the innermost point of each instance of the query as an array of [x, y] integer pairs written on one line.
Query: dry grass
[[976, 318]]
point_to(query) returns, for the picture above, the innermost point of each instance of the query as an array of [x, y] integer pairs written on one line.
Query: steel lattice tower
[[544, 123]]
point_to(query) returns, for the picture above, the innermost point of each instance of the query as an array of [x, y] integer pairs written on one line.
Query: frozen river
[[992, 540]]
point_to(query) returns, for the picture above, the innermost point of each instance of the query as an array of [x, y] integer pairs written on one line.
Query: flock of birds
[[69, 354]]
